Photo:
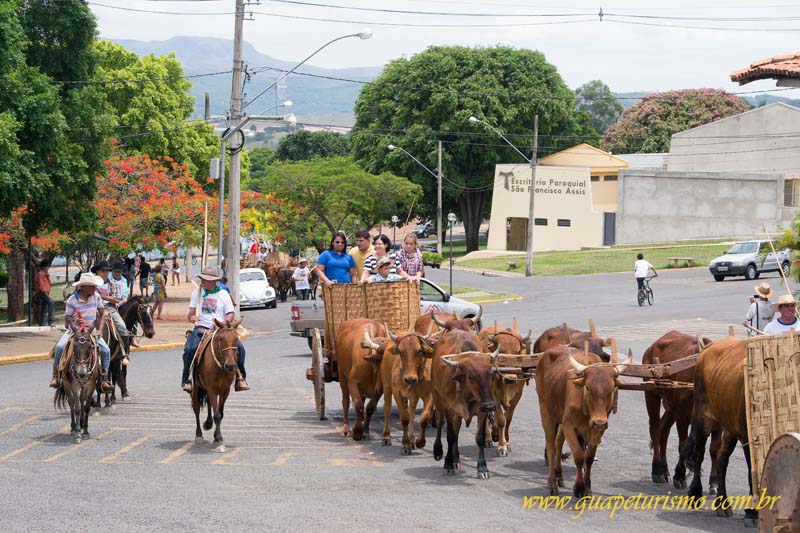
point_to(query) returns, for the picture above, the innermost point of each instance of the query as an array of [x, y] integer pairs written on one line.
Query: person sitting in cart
[[787, 316], [335, 265], [382, 272]]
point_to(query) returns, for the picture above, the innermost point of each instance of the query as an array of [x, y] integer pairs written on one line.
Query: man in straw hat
[[760, 312], [85, 307], [787, 317], [214, 303]]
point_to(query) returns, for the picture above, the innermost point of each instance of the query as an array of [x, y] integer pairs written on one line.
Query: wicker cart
[[772, 396], [395, 303]]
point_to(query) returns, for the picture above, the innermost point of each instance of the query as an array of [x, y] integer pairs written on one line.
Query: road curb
[[497, 300], [33, 357]]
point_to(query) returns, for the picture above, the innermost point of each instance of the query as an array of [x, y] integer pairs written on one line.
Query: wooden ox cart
[[397, 304]]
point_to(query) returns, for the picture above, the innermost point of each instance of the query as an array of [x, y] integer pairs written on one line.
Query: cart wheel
[[781, 477], [319, 377]]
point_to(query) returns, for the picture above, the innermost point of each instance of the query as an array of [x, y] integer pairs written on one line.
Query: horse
[[213, 373], [313, 281], [134, 311], [78, 381]]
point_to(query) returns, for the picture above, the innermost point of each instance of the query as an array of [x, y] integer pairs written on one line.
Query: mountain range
[[323, 98]]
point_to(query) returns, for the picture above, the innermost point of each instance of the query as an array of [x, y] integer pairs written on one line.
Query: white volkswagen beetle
[[255, 290]]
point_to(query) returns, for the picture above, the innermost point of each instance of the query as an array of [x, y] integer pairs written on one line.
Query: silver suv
[[750, 259]]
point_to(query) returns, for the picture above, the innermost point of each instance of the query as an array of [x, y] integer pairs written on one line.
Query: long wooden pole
[[780, 267]]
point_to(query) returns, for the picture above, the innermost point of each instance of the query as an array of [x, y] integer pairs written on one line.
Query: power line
[[428, 13], [685, 27], [420, 25]]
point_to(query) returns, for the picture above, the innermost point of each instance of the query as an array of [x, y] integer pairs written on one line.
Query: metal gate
[[609, 229]]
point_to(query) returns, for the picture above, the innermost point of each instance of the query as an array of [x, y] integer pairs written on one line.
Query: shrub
[[432, 258]]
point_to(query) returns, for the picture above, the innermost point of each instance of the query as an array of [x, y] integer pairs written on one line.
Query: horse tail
[[59, 398], [202, 396]]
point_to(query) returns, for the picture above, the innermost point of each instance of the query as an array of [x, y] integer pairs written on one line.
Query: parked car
[[423, 230], [254, 289], [309, 314], [750, 259]]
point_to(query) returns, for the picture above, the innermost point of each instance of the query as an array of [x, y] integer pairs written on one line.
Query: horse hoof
[[751, 523], [449, 471], [458, 466], [199, 440], [724, 513], [126, 398], [420, 443], [712, 490], [387, 442], [483, 475], [678, 483], [502, 452], [405, 451], [76, 440], [220, 448], [488, 444], [561, 483]]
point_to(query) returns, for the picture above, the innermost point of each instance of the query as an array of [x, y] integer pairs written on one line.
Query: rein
[[213, 351], [93, 358]]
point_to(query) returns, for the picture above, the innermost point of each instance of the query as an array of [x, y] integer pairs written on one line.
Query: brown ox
[[461, 390], [670, 347], [406, 376], [719, 404], [425, 324], [508, 391], [359, 371], [575, 401], [563, 335], [464, 324]]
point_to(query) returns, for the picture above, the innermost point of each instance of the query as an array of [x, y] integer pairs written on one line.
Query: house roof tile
[[783, 66]]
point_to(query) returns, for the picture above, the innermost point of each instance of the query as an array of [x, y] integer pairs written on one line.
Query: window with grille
[[791, 193]]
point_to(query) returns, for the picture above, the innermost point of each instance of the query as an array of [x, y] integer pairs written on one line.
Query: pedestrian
[[300, 277], [41, 288], [382, 246], [176, 271], [144, 277], [641, 269], [159, 292], [335, 265], [130, 272], [787, 316], [164, 268], [223, 266], [760, 313], [361, 251], [410, 257]]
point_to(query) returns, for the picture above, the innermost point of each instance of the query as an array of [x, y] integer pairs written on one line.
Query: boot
[[126, 349], [105, 385], [187, 387], [54, 382], [241, 384]]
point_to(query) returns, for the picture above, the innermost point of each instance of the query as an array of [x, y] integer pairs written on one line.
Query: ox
[[575, 401], [464, 324], [507, 390], [461, 390], [670, 347], [563, 334], [406, 376], [425, 324], [359, 371], [719, 404]]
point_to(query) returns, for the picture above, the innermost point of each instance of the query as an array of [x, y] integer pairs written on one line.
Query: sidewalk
[[170, 331]]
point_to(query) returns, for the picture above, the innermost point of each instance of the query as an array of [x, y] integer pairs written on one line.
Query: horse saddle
[[208, 336], [112, 328]]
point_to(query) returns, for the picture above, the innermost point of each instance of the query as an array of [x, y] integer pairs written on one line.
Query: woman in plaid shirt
[[410, 257]]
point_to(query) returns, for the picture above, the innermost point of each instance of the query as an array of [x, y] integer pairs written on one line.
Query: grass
[[597, 261], [460, 248], [485, 296], [55, 294]]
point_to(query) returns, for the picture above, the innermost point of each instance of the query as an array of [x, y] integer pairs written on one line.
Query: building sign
[[512, 183]]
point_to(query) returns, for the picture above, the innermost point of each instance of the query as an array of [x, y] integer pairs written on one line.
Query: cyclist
[[640, 269]]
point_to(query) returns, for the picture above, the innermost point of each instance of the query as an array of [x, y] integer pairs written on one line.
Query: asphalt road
[[286, 470]]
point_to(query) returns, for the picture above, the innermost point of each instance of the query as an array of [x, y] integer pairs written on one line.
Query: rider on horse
[[121, 289], [215, 303], [84, 307], [110, 293]]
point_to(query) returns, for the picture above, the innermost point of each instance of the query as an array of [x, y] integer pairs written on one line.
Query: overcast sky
[[627, 57]]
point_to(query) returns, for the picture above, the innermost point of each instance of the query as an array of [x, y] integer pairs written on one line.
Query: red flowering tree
[[647, 126]]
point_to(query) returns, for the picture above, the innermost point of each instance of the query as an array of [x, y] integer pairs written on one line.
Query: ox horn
[[368, 342], [389, 332], [437, 321], [493, 355], [579, 368], [527, 338], [619, 369], [700, 344], [477, 317], [449, 362]]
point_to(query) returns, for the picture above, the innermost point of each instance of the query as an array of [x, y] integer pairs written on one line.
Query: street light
[[532, 163], [451, 218], [394, 229], [438, 176], [287, 103]]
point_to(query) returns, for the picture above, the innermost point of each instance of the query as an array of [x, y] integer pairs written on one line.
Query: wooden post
[[780, 267], [592, 328], [566, 332], [747, 409], [614, 358], [586, 352], [516, 326], [730, 331]]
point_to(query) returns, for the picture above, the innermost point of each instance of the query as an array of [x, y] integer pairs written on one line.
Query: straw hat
[[210, 273], [786, 299], [87, 278], [302, 260], [382, 262], [764, 290]]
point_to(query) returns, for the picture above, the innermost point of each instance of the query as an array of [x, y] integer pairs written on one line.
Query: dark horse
[[134, 311], [78, 381], [213, 373]]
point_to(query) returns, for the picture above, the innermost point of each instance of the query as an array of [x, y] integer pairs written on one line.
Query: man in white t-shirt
[[215, 303], [300, 277], [760, 313], [787, 316], [640, 270]]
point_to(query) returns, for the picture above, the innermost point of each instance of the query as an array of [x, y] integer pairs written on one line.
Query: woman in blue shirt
[[335, 265]]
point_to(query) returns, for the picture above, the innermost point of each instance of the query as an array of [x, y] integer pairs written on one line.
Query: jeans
[[121, 328], [302, 294], [105, 353], [47, 307], [640, 283], [191, 346]]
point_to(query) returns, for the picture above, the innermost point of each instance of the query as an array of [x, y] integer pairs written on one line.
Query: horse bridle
[[223, 350], [93, 358]]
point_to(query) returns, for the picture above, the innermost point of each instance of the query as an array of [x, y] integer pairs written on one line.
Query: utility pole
[[439, 204], [531, 220], [234, 193]]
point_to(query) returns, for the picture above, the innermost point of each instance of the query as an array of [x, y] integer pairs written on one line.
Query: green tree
[[595, 98], [430, 97], [304, 145], [331, 193], [260, 160], [647, 126]]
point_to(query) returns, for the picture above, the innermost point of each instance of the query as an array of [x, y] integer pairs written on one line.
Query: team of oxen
[[576, 377]]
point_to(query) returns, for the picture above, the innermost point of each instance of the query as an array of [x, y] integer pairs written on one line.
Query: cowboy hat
[[119, 266], [87, 278], [786, 299], [764, 290], [210, 273], [102, 265]]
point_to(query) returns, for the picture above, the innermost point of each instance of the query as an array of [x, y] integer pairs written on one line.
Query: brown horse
[[78, 381], [214, 372]]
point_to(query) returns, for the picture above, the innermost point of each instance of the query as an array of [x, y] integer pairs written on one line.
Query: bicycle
[[646, 292]]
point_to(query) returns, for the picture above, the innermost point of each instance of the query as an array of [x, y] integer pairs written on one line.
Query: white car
[[255, 290]]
